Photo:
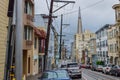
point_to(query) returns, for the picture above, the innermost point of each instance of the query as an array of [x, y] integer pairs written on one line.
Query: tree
[[100, 62]]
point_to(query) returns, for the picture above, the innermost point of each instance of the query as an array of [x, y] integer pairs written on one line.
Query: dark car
[[55, 75], [115, 70]]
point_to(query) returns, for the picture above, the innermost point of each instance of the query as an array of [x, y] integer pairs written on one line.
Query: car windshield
[[72, 65], [49, 75], [63, 66], [100, 66], [62, 74], [119, 66], [109, 65]]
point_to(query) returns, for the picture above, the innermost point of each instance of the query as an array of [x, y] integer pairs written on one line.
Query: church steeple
[[79, 30]]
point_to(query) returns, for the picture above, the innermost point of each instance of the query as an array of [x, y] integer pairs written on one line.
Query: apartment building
[[92, 48], [112, 44], [28, 39], [102, 43], [38, 50], [41, 23], [3, 34], [116, 7]]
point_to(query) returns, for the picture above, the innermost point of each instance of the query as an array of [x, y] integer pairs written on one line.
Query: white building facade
[[102, 44]]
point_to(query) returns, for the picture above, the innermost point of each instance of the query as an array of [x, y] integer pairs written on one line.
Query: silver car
[[74, 69]]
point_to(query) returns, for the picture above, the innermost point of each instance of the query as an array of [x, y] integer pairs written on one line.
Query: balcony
[[27, 44], [28, 20]]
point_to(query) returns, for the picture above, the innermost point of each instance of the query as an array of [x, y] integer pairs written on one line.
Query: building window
[[28, 8], [106, 43], [41, 45], [106, 53], [28, 33], [35, 43]]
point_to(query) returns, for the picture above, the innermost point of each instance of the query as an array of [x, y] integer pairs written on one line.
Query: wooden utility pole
[[49, 25], [48, 35], [61, 36]]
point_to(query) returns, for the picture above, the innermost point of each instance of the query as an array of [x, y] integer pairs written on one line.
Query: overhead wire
[[47, 5], [89, 6]]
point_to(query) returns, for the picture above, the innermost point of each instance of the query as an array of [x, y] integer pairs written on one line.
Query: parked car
[[99, 68], [115, 70], [48, 75], [88, 66], [83, 66], [62, 75], [55, 75], [107, 68], [63, 66], [74, 70]]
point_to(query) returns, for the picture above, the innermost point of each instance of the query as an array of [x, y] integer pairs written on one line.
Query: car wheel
[[105, 72], [116, 74], [110, 73]]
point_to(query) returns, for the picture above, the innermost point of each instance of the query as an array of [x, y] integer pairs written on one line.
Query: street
[[90, 75], [93, 75]]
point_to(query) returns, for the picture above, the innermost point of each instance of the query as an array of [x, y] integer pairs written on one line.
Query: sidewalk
[[33, 77]]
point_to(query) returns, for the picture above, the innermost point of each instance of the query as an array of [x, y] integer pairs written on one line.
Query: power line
[[84, 8], [47, 5]]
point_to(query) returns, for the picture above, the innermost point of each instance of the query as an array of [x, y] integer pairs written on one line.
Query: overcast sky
[[95, 14]]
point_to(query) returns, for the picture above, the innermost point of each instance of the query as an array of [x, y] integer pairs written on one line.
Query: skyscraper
[[79, 30]]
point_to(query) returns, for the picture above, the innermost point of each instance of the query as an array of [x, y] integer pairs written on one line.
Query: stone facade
[[81, 45], [116, 7]]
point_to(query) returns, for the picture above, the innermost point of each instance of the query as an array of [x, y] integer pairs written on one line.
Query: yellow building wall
[[3, 34], [35, 61]]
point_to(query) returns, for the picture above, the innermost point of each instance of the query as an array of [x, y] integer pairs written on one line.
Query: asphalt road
[[93, 75]]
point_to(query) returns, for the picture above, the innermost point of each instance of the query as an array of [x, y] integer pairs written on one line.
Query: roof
[[40, 33], [105, 26], [116, 6]]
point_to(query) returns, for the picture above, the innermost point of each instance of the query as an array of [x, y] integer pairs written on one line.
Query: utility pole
[[8, 71], [49, 25], [48, 34], [60, 36], [19, 40]]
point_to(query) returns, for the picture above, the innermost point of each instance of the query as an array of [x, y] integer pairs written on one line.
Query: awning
[[40, 33]]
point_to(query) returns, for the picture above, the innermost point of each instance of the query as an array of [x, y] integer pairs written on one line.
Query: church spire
[[79, 30]]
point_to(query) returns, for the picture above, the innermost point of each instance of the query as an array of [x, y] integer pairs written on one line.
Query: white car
[[99, 68], [107, 68], [74, 69]]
